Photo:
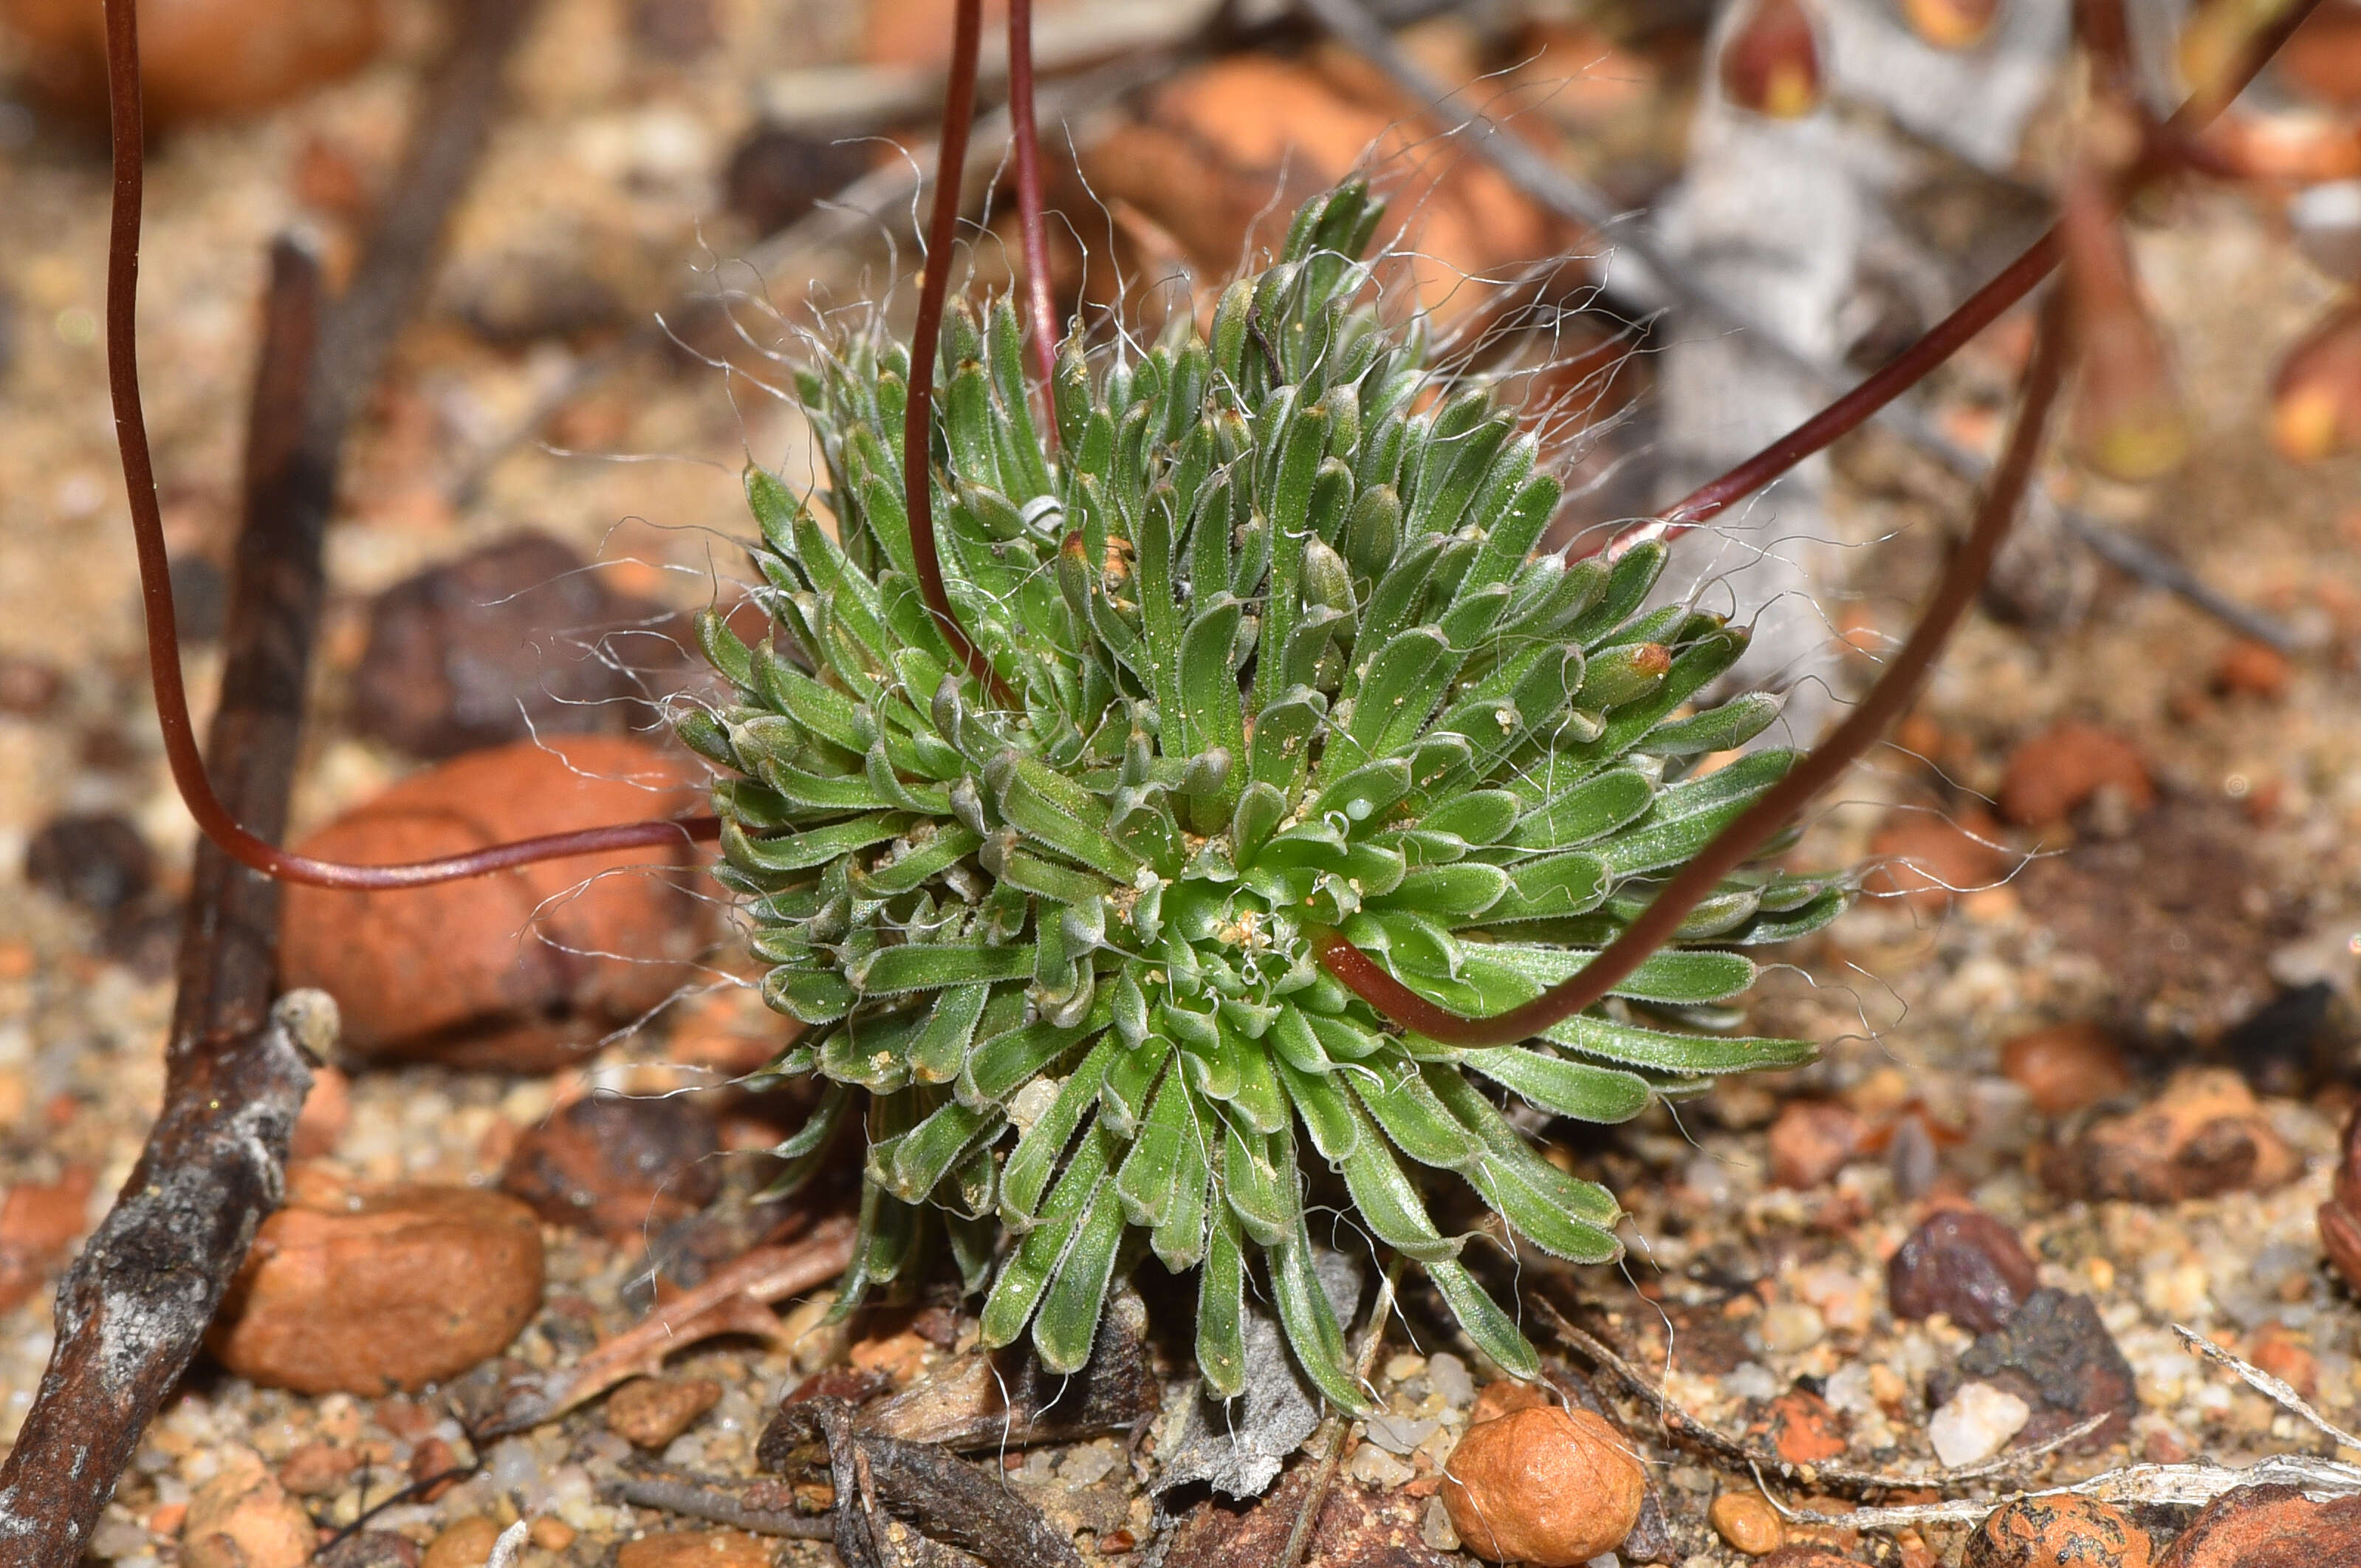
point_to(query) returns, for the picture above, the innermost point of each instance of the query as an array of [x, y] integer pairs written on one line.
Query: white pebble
[[1399, 1434], [1373, 1466], [1448, 1375], [1976, 1424], [1791, 1326]]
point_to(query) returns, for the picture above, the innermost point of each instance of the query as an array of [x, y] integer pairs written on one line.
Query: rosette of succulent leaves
[[1283, 659]]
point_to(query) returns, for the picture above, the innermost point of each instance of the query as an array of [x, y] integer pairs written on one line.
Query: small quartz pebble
[[1399, 1434], [1373, 1466], [2065, 1067], [1548, 1486], [1448, 1375], [652, 1411], [1747, 1522], [244, 1518], [1787, 1327], [1810, 1143], [372, 1292], [1964, 1263], [694, 1549], [1975, 1424], [2063, 1531]]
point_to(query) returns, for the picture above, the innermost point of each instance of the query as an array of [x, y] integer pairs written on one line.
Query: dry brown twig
[[735, 1300]]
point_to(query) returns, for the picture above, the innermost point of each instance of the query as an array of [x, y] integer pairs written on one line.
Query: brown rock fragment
[[1547, 1486], [652, 1411], [2065, 1067], [1964, 1263], [1811, 1141], [1747, 1523], [2204, 1135], [502, 971], [2254, 669], [2057, 1532], [1807, 1554], [380, 1291], [695, 1548], [467, 1543], [2340, 1217], [617, 1165], [2269, 1527], [316, 1469], [2059, 769], [244, 1518]]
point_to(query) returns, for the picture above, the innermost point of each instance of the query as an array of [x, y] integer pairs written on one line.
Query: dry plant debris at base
[[1762, 1310]]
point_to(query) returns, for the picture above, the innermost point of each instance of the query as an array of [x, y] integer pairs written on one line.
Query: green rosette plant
[[1273, 656]]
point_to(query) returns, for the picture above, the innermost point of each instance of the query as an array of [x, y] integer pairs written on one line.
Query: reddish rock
[[2059, 769], [2066, 1067], [373, 1292], [507, 970], [1811, 1141], [2252, 669], [2276, 1350], [2055, 1355], [619, 1166], [1803, 1429], [2340, 1217], [199, 58], [1807, 1554], [2269, 1527], [2204, 1135], [1549, 1486], [2059, 1532], [652, 1411], [1964, 1263], [1925, 859], [39, 1221]]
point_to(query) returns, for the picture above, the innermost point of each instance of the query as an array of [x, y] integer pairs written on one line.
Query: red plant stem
[[1885, 702], [1031, 226], [180, 750], [918, 417]]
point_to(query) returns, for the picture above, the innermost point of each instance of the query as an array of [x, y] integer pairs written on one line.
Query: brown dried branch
[[133, 1305], [736, 1300]]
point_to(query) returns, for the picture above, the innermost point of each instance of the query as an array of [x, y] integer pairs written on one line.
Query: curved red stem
[[180, 750], [1885, 702], [918, 416], [1031, 226]]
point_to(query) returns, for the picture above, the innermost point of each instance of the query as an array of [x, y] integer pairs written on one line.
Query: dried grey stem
[[2272, 1388]]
